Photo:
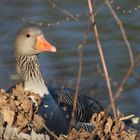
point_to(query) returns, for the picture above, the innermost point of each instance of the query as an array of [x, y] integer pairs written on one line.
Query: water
[[62, 67]]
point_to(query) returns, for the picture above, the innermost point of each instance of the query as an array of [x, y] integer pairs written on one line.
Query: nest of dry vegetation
[[105, 129], [19, 120]]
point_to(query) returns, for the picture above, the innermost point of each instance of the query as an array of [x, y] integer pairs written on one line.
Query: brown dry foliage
[[17, 109], [105, 129]]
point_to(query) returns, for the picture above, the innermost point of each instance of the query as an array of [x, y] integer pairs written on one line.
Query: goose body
[[57, 108], [57, 103]]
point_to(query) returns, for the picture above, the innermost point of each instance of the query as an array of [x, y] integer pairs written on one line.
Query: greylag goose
[[57, 104]]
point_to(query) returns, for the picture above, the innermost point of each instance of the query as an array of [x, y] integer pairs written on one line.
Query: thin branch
[[122, 31], [127, 117], [129, 72], [63, 10], [77, 86], [80, 51], [124, 11], [51, 132], [102, 58], [44, 126]]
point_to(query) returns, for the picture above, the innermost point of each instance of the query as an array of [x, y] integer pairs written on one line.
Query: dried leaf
[[108, 125], [26, 105], [8, 115], [38, 122]]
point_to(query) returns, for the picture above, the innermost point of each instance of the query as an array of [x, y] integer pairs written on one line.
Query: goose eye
[[28, 35]]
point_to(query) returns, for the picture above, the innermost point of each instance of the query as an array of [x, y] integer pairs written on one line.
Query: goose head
[[31, 41]]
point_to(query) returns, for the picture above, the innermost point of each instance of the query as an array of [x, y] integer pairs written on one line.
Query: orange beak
[[43, 45]]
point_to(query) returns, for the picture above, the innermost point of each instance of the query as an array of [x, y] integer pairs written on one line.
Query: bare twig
[[102, 58], [122, 10], [121, 86], [51, 132], [80, 50], [63, 10], [77, 87], [44, 126], [127, 117], [122, 31], [129, 72]]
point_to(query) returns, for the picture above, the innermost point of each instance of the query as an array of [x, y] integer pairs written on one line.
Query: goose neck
[[29, 69]]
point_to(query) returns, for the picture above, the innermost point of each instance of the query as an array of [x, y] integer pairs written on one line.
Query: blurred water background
[[61, 68]]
